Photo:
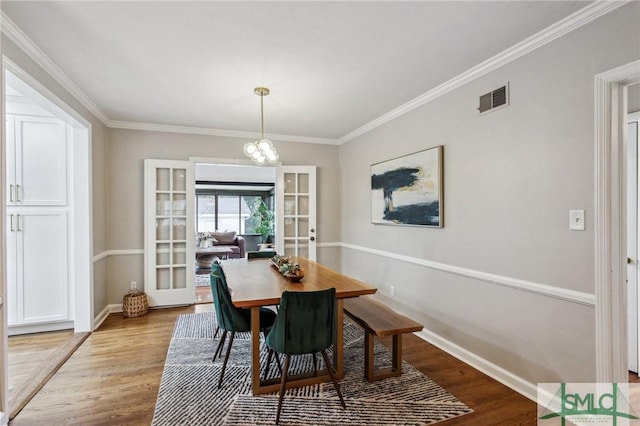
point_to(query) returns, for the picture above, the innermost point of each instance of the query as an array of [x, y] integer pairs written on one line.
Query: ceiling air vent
[[495, 99]]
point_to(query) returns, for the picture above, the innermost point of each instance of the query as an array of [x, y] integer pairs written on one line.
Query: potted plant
[[265, 221]]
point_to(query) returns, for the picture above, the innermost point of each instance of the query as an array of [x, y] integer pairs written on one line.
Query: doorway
[[75, 310], [227, 200], [611, 340]]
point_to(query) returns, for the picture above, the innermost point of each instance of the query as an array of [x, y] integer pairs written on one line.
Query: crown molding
[[15, 34], [549, 34], [560, 28], [167, 128]]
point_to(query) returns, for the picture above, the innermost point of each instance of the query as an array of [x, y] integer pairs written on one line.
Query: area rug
[[203, 280], [188, 392]]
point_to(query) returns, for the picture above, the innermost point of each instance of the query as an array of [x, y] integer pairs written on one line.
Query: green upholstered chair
[[262, 254], [306, 324], [231, 319]]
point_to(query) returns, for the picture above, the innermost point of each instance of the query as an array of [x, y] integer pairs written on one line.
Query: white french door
[[169, 251], [296, 233]]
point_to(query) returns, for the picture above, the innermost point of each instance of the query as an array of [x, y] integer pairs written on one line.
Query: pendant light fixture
[[261, 151]]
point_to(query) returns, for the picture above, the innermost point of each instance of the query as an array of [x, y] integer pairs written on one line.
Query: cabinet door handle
[[18, 193], [18, 217], [11, 194], [11, 222]]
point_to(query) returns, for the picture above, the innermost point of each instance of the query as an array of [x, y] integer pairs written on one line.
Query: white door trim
[[610, 209]]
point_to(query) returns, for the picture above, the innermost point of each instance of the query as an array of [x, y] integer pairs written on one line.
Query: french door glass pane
[[179, 277], [303, 205], [179, 254], [162, 279], [289, 205], [179, 204], [303, 183], [162, 179], [289, 183], [163, 204], [163, 255], [162, 229], [179, 180], [179, 229], [303, 227]]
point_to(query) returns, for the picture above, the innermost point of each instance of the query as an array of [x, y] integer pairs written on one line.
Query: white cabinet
[[37, 266], [37, 224], [36, 161]]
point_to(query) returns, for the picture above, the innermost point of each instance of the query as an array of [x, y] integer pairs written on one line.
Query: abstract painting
[[408, 190]]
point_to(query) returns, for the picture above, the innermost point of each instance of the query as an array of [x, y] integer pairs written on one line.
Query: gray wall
[[129, 148], [634, 98], [510, 179]]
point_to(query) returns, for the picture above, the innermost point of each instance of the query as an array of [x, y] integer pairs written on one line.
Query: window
[[228, 209]]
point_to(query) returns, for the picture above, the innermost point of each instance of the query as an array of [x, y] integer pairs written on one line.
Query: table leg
[[255, 349], [338, 346]]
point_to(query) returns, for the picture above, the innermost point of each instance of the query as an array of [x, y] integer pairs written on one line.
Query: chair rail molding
[[516, 283]]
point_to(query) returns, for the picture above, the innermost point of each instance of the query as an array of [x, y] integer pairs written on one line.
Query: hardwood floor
[[203, 295], [113, 378], [34, 359], [28, 351]]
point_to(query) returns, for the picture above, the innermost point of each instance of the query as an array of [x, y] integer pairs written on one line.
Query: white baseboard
[[109, 309], [492, 370], [15, 330]]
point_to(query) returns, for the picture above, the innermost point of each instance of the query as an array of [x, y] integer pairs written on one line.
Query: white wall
[[510, 178]]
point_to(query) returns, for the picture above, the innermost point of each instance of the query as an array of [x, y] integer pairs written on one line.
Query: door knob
[[312, 238]]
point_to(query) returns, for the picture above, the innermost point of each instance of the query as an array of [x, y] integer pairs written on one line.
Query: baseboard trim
[[492, 370], [16, 330], [99, 319]]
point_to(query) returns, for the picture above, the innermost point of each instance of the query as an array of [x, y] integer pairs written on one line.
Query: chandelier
[[261, 151]]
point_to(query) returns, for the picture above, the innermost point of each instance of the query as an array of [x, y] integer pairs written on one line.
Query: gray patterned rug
[[189, 396], [202, 280]]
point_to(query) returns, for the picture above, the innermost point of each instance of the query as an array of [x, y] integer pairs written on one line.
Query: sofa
[[223, 239]]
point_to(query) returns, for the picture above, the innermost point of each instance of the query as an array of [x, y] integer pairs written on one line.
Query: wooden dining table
[[256, 283]]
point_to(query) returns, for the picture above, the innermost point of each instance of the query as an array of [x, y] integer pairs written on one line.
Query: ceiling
[[332, 67]]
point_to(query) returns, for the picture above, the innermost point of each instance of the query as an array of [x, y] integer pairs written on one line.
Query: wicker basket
[[135, 304]]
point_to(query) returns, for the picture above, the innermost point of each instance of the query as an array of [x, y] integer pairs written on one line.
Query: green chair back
[[260, 254], [306, 322], [229, 317]]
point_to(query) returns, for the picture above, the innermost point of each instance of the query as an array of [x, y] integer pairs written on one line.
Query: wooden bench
[[379, 320]]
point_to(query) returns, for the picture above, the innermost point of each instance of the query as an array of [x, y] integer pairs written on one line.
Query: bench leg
[[369, 340], [396, 353]]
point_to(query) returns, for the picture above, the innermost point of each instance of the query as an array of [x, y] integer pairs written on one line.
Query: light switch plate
[[576, 220]]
